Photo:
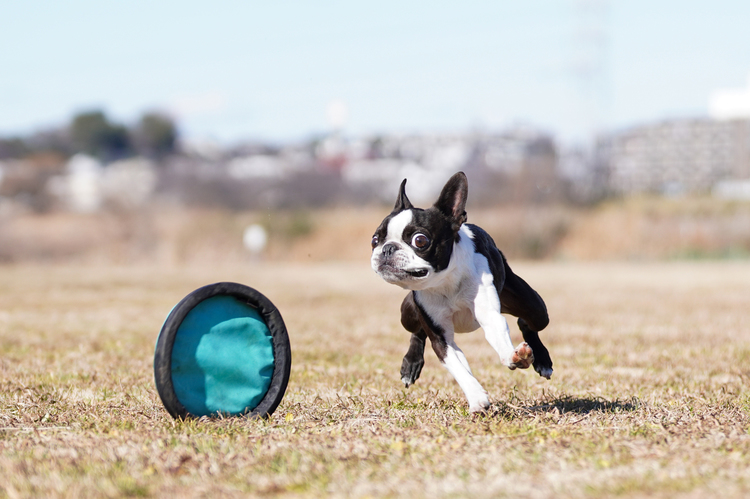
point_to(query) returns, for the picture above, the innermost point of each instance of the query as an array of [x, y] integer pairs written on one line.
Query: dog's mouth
[[417, 273], [391, 272]]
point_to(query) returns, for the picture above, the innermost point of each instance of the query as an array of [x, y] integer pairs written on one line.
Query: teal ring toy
[[222, 351]]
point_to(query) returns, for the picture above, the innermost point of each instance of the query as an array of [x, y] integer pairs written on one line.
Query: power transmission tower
[[590, 64]]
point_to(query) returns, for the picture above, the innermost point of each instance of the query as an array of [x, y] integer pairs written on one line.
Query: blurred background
[[178, 132]]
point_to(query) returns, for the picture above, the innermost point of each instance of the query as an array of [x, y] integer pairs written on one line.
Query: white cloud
[[188, 106], [337, 113]]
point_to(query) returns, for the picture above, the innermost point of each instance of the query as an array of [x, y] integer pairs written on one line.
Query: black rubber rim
[[282, 352]]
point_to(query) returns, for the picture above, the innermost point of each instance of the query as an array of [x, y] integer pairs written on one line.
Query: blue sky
[[232, 70]]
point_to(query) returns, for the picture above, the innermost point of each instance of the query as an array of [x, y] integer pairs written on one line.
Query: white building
[[87, 184], [676, 156], [730, 104], [80, 189]]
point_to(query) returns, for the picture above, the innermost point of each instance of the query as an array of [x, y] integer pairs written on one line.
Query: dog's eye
[[420, 241], [374, 241]]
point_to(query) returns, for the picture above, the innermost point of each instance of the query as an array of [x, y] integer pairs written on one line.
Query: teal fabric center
[[222, 358]]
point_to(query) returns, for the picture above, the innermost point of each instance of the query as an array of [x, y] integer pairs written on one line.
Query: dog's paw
[[480, 405], [544, 372], [410, 371], [522, 358]]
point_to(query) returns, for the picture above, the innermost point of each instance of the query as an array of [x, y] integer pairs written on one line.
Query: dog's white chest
[[463, 307], [464, 321], [456, 306]]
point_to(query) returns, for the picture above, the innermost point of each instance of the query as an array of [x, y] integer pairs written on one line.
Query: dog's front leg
[[455, 361], [441, 338], [411, 366], [496, 331]]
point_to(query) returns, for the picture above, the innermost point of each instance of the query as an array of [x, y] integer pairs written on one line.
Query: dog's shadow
[[564, 404]]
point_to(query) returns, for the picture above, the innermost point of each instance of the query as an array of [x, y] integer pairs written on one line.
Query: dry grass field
[[650, 396]]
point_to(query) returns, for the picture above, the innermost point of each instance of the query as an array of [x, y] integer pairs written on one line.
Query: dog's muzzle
[[389, 249]]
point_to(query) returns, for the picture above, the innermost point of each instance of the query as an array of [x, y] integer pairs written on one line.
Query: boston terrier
[[459, 281]]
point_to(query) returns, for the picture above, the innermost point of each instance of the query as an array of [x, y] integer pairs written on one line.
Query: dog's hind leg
[[411, 366], [517, 298], [542, 361]]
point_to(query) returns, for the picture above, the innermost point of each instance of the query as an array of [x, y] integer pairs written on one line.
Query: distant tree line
[[92, 132]]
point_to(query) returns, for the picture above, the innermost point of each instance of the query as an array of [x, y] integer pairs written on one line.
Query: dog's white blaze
[[396, 228], [397, 225]]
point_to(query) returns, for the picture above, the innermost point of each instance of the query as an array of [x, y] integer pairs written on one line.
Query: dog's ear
[[452, 200], [402, 202]]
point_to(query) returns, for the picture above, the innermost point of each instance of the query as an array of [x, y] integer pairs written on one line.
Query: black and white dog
[[459, 281]]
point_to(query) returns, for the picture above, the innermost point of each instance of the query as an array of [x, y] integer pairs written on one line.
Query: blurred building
[[86, 185], [676, 156], [23, 182], [519, 164]]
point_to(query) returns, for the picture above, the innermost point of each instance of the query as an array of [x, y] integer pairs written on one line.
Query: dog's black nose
[[389, 249]]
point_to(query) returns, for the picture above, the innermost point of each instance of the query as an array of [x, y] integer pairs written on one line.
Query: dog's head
[[413, 246]]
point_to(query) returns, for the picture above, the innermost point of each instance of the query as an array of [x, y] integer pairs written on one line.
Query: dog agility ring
[[223, 351]]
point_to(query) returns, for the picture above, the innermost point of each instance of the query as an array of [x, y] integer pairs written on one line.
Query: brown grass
[[637, 229], [655, 227], [650, 394]]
